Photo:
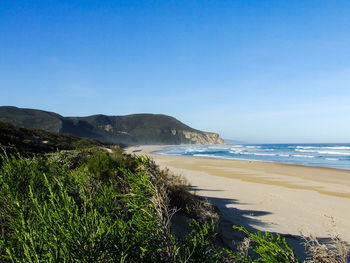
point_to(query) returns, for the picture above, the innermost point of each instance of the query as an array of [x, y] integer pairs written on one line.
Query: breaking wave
[[325, 155]]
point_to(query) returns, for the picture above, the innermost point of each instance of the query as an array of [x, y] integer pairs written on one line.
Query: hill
[[34, 141], [129, 129]]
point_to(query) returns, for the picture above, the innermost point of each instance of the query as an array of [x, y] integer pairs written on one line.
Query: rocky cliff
[[203, 138], [129, 129]]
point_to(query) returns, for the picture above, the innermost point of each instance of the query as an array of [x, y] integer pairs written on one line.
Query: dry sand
[[282, 198]]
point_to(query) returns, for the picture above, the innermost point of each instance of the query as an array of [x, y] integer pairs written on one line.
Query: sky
[[253, 71]]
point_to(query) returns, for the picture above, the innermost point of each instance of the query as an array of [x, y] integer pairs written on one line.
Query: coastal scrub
[[95, 206]]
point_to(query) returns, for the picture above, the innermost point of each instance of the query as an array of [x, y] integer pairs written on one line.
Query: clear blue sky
[[256, 71]]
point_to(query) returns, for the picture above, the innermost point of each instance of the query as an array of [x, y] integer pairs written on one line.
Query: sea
[[320, 155]]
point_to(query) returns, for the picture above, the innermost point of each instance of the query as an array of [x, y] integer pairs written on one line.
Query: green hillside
[[30, 118], [33, 141], [129, 129]]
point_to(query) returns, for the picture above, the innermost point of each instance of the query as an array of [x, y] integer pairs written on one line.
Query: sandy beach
[[282, 198]]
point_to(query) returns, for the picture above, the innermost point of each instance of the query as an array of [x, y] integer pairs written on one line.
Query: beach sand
[[281, 198]]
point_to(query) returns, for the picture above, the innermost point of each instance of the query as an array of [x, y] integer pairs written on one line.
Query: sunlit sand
[[288, 199]]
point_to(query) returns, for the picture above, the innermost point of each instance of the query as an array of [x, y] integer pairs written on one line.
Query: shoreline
[[276, 197], [323, 172], [161, 147], [250, 160]]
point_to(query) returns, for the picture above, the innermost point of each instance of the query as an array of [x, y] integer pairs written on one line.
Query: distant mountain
[[129, 129]]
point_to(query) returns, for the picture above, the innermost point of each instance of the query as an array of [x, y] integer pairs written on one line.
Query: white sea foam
[[218, 148], [236, 149], [333, 156], [264, 154], [235, 152], [325, 147], [194, 149], [305, 151], [239, 152], [334, 153], [336, 147], [325, 152], [303, 156], [306, 147]]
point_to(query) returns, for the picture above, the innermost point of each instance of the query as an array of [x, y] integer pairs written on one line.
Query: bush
[[84, 143], [267, 248], [52, 214]]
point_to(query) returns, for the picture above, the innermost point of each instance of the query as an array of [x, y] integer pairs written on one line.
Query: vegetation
[[34, 141], [29, 118], [94, 206], [334, 251]]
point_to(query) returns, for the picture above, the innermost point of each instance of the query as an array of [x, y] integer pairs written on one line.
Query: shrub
[[268, 248], [52, 214], [84, 143], [335, 251], [100, 165]]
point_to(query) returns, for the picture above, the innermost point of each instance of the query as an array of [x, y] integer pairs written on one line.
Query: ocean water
[[322, 155]]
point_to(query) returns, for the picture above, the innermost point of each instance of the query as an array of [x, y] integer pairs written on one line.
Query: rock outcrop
[[203, 137]]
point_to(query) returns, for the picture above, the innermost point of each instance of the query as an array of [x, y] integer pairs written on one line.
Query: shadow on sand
[[250, 219]]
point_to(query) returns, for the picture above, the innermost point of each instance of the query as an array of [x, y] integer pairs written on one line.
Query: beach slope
[[282, 198]]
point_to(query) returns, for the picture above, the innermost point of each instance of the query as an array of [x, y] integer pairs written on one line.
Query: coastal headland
[[274, 197]]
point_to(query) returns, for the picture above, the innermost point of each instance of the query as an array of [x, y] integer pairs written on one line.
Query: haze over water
[[322, 155]]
